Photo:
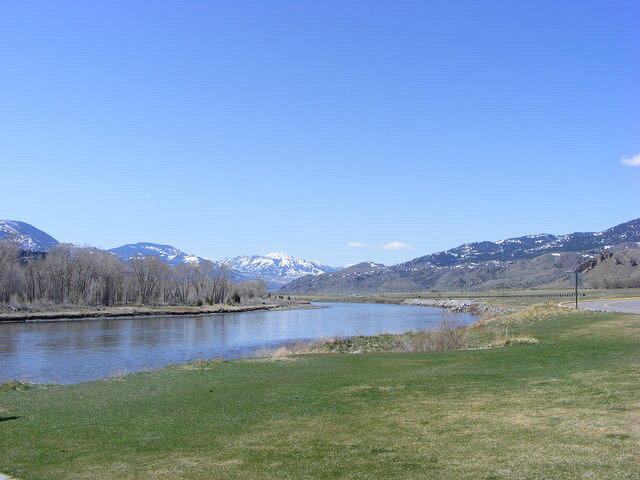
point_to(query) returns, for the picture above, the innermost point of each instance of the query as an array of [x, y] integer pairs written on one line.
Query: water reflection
[[77, 351]]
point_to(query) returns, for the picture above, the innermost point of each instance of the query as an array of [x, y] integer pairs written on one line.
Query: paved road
[[614, 305]]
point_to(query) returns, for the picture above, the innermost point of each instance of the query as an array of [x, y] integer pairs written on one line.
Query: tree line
[[88, 276]]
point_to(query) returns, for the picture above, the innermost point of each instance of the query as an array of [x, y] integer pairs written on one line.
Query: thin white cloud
[[631, 160], [358, 244], [396, 246]]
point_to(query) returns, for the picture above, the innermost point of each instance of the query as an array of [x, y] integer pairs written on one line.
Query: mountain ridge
[[30, 238], [275, 268], [168, 253], [522, 262]]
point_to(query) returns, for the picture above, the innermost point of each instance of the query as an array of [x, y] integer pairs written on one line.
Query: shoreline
[[135, 312], [472, 307], [476, 307]]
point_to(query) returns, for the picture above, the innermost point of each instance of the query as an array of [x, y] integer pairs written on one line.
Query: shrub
[[15, 385], [506, 341], [448, 336], [527, 316]]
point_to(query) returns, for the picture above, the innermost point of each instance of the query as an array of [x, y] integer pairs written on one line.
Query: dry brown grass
[[16, 385], [527, 316], [506, 341], [293, 348], [200, 364], [448, 336]]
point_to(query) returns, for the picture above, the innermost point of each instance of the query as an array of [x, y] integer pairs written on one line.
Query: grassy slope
[[568, 408]]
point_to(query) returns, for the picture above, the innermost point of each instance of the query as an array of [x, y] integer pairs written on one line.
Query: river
[[77, 351]]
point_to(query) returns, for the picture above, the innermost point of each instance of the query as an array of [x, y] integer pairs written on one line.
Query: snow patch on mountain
[[521, 262], [167, 253], [27, 236], [277, 266]]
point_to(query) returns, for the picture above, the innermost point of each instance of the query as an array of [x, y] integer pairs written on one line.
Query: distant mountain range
[[607, 258], [276, 269], [520, 262], [278, 265]]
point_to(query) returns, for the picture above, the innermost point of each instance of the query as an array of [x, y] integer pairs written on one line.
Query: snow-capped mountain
[[27, 236], [277, 266], [530, 246], [167, 253], [521, 262], [275, 269]]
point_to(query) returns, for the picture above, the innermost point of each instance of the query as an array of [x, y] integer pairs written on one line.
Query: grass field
[[565, 408]]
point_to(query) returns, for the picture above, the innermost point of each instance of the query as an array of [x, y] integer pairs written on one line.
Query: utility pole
[[576, 273]]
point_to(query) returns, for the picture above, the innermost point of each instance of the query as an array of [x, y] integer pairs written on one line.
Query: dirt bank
[[84, 313]]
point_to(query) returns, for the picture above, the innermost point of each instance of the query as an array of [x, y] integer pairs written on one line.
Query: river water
[[77, 351]]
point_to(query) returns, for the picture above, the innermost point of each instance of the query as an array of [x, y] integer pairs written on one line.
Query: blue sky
[[239, 127]]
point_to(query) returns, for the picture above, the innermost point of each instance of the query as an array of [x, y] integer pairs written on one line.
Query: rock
[[458, 305]]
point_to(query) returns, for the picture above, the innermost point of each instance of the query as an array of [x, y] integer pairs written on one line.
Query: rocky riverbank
[[459, 306]]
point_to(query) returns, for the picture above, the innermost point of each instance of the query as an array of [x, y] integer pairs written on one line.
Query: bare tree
[[111, 279], [248, 289], [200, 277], [148, 272], [33, 271], [9, 271], [219, 284], [84, 275]]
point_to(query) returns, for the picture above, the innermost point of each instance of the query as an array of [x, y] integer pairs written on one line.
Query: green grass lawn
[[568, 407]]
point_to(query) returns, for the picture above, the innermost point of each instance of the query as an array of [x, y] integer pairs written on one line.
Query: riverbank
[[71, 313], [564, 408], [492, 330], [480, 307], [473, 307], [502, 299]]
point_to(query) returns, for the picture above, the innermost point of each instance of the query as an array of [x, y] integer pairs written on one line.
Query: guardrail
[[529, 295]]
